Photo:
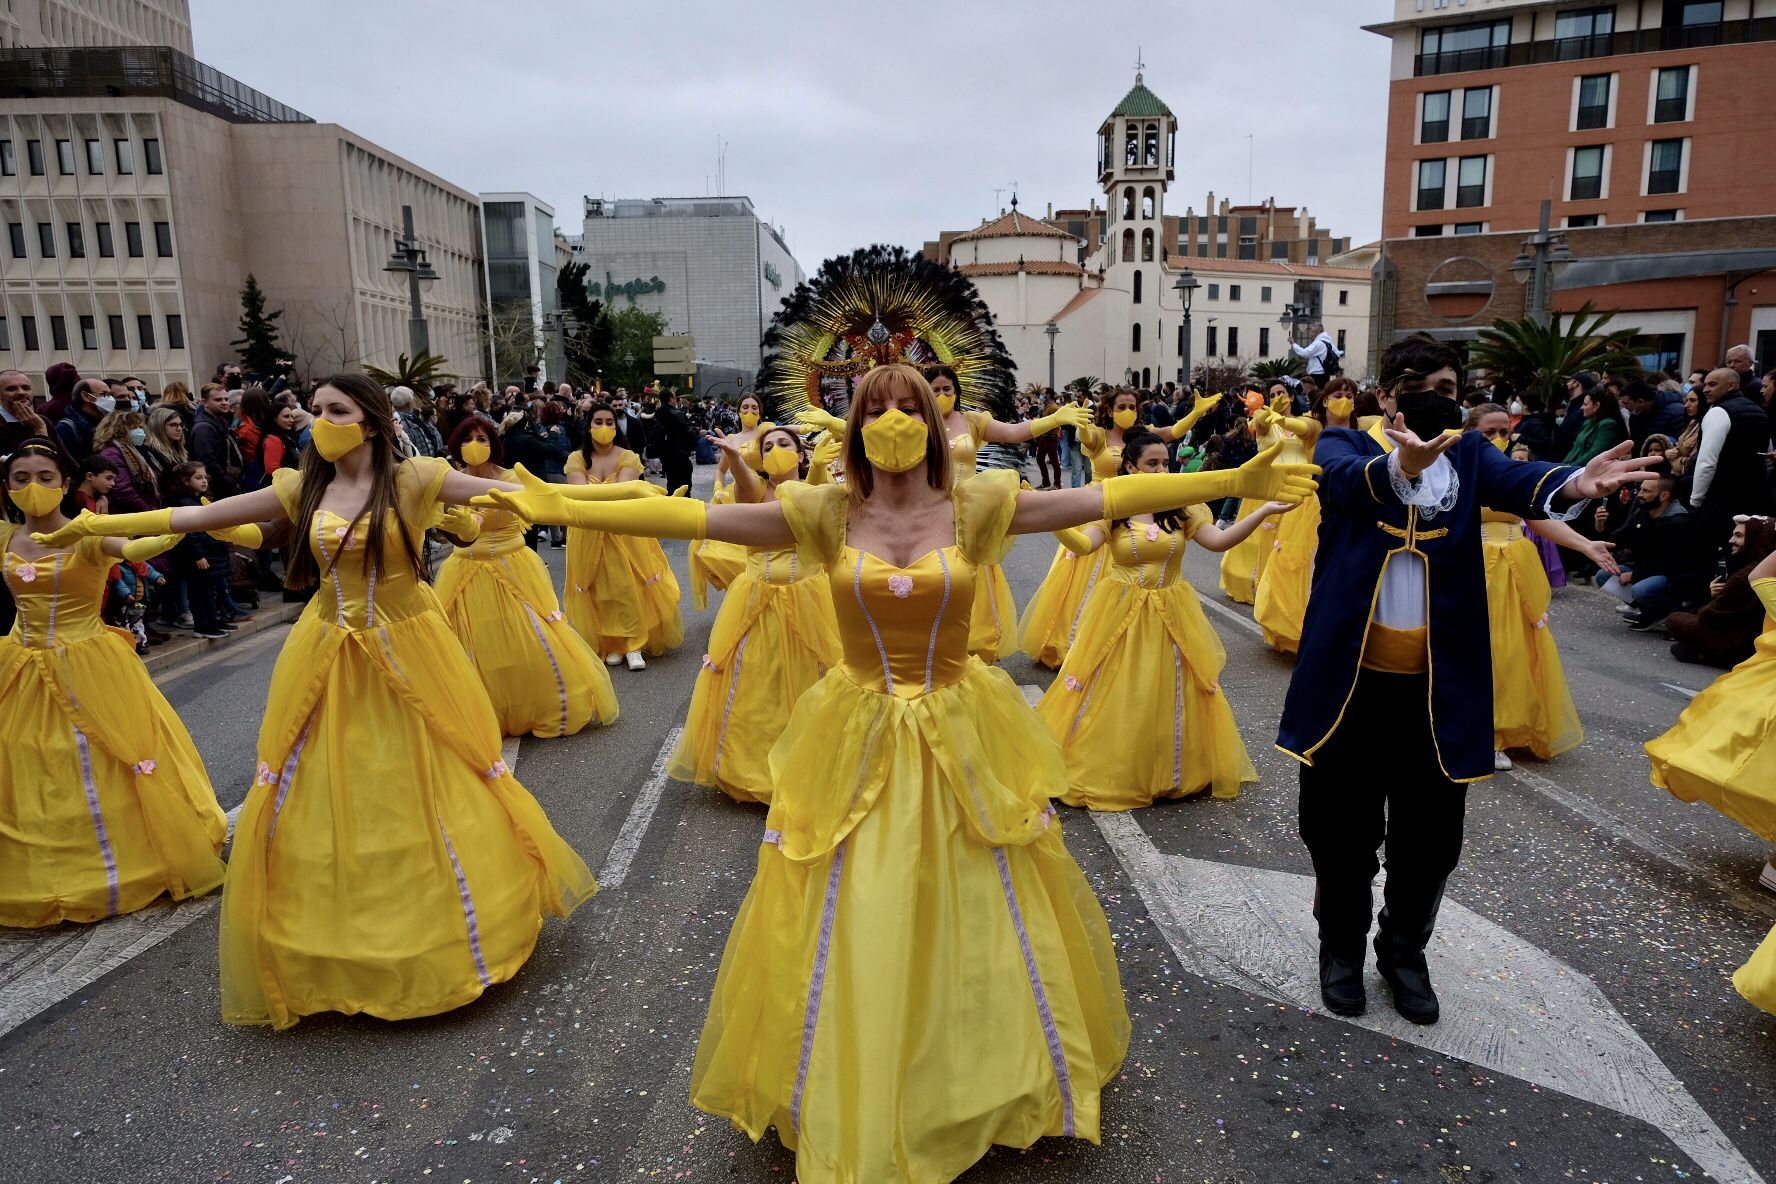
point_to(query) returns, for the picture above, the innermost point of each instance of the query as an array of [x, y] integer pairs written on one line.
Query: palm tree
[[420, 372], [1528, 356], [1271, 369]]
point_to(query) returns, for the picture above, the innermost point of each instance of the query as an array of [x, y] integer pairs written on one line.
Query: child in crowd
[[97, 476], [201, 561]]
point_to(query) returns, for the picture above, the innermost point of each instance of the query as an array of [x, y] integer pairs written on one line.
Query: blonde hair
[[175, 394], [891, 383], [157, 433]]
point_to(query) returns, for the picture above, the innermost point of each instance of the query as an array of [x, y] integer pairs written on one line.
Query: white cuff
[[1433, 491]]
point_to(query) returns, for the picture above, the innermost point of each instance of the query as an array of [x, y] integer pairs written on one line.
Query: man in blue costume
[[1390, 708]]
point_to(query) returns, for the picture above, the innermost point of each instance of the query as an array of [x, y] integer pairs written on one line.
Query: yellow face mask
[[476, 452], [1124, 419], [334, 440], [896, 442], [1502, 443], [603, 435], [783, 462], [37, 499], [749, 420], [1340, 406], [946, 403]]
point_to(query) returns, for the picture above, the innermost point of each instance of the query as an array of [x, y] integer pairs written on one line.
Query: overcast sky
[[845, 123]]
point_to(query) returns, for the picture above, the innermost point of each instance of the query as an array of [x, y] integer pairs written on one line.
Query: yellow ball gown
[[104, 802], [713, 563], [1532, 707], [1243, 566], [385, 861], [1138, 708], [542, 677], [1279, 601], [1722, 751], [993, 635], [1051, 619], [919, 969], [621, 594], [774, 637]]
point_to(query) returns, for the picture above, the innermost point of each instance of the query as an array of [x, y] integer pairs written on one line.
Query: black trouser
[[678, 470], [1376, 782]]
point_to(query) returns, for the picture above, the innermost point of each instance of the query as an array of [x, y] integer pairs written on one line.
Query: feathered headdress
[[879, 305]]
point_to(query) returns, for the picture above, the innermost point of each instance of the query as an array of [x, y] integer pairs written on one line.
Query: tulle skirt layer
[[1279, 604], [1532, 708], [1050, 619], [621, 594], [1243, 566]]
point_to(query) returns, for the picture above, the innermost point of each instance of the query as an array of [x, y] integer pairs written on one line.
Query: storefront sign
[[629, 291], [773, 277]]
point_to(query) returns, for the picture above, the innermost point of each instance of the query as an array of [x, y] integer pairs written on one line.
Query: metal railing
[[152, 71], [1659, 40]]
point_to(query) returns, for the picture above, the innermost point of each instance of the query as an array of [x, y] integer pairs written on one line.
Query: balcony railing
[[1659, 40], [152, 71]]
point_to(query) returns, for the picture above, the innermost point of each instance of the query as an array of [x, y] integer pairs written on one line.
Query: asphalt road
[[1591, 1030]]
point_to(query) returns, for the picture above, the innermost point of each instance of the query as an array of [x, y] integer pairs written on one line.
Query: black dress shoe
[[1341, 984], [1410, 983]]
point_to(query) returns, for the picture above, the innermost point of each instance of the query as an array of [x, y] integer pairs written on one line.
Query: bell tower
[[1137, 146]]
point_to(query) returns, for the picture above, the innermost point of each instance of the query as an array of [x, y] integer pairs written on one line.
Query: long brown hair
[[896, 379], [317, 473], [1105, 414]]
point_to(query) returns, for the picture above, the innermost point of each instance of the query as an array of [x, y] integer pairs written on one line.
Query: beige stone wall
[[51, 23]]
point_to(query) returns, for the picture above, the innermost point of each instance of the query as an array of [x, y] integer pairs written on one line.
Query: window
[[1587, 174], [1279, 251], [1264, 295], [89, 333], [1233, 341], [1594, 102], [1671, 95], [132, 237], [1146, 246], [1137, 287], [1214, 291], [175, 332], [8, 162], [28, 325], [17, 230], [114, 326], [1209, 340], [163, 240], [1659, 216], [1147, 202], [126, 157], [76, 241], [1470, 182], [1433, 127], [1263, 342], [1470, 228], [1233, 291], [1691, 24], [1341, 333], [1344, 296], [1580, 221], [58, 334], [151, 157], [46, 239], [107, 247], [65, 157], [1427, 231], [1665, 167], [1448, 49], [95, 158], [5, 334], [1583, 33], [1477, 113], [1248, 246], [34, 154], [1135, 337], [1432, 175], [145, 331]]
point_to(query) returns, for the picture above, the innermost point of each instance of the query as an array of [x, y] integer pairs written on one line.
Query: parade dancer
[[385, 860], [716, 564], [919, 969], [1279, 603], [1138, 708], [104, 802], [1243, 567], [541, 676], [1381, 711], [621, 594]]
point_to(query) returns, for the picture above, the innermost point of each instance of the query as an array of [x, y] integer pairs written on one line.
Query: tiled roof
[[1013, 225], [1141, 102], [1032, 266]]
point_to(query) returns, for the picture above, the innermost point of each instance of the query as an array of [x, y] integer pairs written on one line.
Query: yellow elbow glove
[[1072, 416], [814, 419], [1203, 405], [138, 550], [821, 460], [110, 526], [459, 522], [1766, 592], [1075, 541], [657, 518], [246, 535], [1259, 479]]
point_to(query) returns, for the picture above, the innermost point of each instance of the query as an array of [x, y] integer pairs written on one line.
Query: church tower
[[1137, 147]]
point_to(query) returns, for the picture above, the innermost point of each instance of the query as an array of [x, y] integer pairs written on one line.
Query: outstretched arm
[[1215, 538], [1081, 542], [1260, 478], [1562, 535], [1019, 433], [459, 488], [244, 508], [759, 524], [1203, 405]]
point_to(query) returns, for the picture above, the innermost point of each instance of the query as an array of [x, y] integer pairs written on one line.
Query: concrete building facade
[[44, 24], [518, 232]]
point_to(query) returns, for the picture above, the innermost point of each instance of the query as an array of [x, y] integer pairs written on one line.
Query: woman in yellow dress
[[775, 637], [1137, 707], [385, 860], [1279, 603], [542, 677], [1243, 567], [715, 564], [104, 803], [919, 969], [621, 594], [1052, 617], [1722, 751]]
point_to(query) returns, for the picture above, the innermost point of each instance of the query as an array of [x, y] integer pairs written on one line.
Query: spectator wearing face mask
[[1724, 631], [1652, 411], [91, 402], [122, 439]]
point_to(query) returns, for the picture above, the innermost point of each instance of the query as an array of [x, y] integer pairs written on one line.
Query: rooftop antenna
[[996, 194], [1140, 65], [1251, 156]]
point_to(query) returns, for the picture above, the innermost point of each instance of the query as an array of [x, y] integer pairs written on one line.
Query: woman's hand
[[728, 444], [813, 419], [1271, 509], [81, 526], [1263, 479], [531, 505]]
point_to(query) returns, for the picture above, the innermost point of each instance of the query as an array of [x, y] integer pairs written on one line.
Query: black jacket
[[213, 445], [1668, 545]]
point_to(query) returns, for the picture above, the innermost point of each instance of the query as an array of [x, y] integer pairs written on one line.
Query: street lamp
[[1543, 258], [1187, 285], [410, 257], [1053, 330], [1293, 315]]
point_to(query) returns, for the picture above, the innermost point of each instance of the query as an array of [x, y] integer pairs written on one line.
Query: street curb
[[182, 649]]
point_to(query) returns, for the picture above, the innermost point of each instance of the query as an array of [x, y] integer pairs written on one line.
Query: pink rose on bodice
[[901, 586]]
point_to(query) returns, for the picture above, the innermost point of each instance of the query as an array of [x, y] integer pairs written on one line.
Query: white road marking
[[40, 968], [1240, 619], [628, 841], [1686, 692], [1508, 1005]]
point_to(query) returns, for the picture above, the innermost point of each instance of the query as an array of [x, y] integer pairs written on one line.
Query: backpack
[[1330, 365]]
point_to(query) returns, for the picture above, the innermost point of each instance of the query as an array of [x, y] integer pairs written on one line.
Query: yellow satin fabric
[[713, 563], [1397, 651], [1532, 707], [1051, 619], [541, 676], [1243, 566], [104, 802], [385, 860], [620, 592], [1279, 604]]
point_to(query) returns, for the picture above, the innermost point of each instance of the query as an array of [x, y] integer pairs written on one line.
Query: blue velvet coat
[[1362, 524]]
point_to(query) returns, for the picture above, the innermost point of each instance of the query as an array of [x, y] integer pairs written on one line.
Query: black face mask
[[1429, 414]]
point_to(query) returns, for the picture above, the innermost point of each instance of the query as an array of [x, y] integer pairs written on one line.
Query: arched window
[[1146, 377], [1137, 287], [1146, 246], [1128, 204], [1135, 337], [1147, 202], [1128, 246], [1132, 147], [1152, 145]]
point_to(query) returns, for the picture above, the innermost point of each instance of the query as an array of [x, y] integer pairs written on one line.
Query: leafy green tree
[[258, 342], [421, 372], [632, 337], [587, 345], [1271, 369], [1531, 357]]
